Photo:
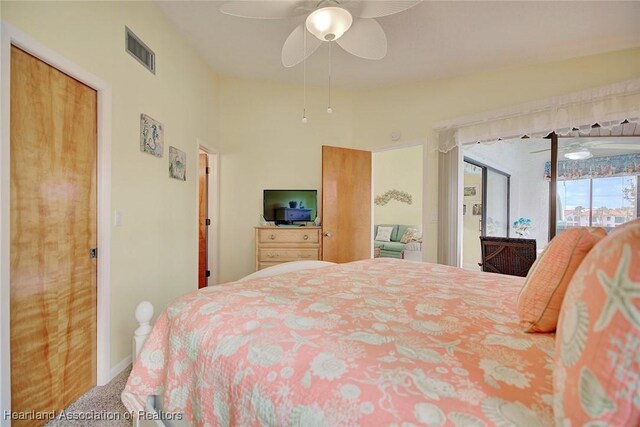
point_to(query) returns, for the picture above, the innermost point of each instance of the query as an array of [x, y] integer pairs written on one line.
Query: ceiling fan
[[350, 23], [584, 150]]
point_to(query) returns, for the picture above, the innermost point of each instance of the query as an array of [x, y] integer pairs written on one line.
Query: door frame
[[13, 36], [213, 210], [425, 203]]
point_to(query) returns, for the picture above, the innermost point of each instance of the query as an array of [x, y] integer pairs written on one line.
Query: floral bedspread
[[377, 342]]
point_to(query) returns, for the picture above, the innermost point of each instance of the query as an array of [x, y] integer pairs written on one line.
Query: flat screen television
[[290, 206]]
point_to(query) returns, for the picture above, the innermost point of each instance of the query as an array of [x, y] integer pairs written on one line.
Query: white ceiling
[[601, 147], [431, 40]]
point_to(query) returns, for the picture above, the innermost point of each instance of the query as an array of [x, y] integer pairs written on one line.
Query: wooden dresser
[[275, 245]]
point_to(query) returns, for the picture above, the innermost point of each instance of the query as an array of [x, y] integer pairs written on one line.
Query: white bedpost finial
[[144, 313]]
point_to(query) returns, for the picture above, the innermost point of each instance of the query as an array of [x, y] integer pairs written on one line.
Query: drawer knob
[[306, 237], [272, 237]]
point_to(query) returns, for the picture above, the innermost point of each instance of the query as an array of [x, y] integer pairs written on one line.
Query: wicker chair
[[507, 256]]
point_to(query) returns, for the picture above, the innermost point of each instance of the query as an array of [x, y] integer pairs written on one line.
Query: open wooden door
[[346, 204], [203, 219]]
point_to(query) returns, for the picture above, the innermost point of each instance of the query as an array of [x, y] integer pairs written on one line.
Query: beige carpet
[[102, 402]]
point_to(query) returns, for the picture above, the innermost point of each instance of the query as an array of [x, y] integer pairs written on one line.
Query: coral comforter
[[375, 342]]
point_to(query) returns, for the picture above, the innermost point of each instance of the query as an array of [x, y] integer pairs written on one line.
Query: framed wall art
[[470, 191], [151, 136], [177, 164]]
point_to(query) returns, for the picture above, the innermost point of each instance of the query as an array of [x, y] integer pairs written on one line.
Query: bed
[[374, 342]]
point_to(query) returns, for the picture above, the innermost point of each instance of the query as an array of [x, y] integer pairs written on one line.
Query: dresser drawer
[[275, 245], [262, 265], [283, 254], [288, 235]]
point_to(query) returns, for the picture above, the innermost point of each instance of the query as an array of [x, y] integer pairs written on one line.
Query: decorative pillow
[[384, 234], [625, 225], [596, 376], [409, 235], [541, 296]]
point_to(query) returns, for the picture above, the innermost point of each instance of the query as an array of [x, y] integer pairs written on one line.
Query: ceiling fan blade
[[616, 147], [377, 9], [540, 151], [293, 51], [265, 9], [365, 39]]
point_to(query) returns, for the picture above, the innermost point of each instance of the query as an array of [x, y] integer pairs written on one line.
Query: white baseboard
[[121, 366]]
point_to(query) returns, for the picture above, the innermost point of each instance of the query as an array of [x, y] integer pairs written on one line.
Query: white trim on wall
[[13, 36], [213, 197], [120, 366]]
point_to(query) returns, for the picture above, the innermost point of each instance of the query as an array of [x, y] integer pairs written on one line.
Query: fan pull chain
[[329, 109], [304, 77]]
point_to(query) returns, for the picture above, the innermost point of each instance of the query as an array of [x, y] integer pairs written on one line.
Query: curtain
[[608, 106], [449, 202]]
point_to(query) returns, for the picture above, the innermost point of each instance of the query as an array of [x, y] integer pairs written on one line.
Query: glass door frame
[[486, 168]]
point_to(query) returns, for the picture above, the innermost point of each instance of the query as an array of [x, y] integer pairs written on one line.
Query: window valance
[[596, 167], [608, 106]]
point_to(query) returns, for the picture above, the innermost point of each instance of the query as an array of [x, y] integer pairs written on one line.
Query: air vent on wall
[[140, 51]]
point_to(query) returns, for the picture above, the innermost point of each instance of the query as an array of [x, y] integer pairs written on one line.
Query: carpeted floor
[[102, 402]]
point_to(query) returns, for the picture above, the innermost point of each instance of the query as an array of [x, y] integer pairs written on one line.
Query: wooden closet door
[[53, 228]]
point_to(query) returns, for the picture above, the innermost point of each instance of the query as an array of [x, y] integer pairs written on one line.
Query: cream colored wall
[[399, 169], [256, 126], [154, 252], [414, 108], [265, 145]]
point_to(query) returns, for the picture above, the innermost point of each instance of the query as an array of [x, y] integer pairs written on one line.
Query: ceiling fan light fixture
[[578, 155], [329, 23]]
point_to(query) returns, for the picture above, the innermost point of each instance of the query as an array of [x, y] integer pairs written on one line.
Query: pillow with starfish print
[[597, 356]]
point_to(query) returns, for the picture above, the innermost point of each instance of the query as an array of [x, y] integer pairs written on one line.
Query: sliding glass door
[[485, 210], [597, 202], [596, 181]]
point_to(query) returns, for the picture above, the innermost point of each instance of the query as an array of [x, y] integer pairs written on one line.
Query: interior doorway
[[207, 217], [203, 218], [398, 189]]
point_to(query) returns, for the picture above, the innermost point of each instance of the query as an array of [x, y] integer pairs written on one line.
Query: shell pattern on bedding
[[375, 342]]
